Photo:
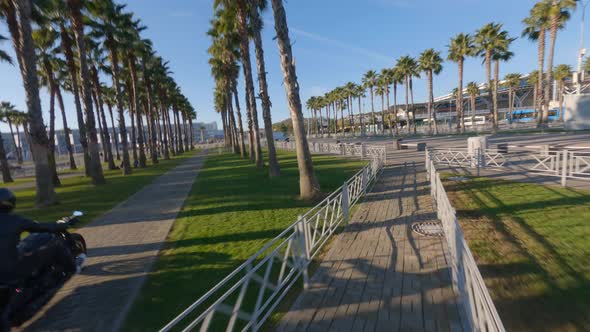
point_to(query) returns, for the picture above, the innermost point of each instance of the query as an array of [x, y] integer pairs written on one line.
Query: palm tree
[[460, 47], [408, 67], [485, 41], [431, 63], [309, 186], [536, 26], [7, 113], [95, 167], [512, 81], [501, 53], [560, 73], [472, 92], [558, 15], [380, 91], [256, 22], [25, 50], [369, 82], [107, 27], [241, 15], [398, 78]]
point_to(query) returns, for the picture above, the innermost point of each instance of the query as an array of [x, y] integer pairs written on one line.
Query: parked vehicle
[[477, 120], [530, 115], [22, 299]]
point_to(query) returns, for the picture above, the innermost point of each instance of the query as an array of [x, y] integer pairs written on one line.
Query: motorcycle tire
[[79, 245]]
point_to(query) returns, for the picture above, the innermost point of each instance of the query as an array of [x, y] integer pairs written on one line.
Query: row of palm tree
[[491, 43], [235, 24], [69, 46]]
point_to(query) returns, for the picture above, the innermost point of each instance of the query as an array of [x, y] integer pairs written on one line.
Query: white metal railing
[[246, 297], [567, 164], [363, 151], [474, 298]]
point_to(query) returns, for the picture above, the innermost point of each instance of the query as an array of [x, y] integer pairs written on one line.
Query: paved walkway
[[123, 245], [379, 275]]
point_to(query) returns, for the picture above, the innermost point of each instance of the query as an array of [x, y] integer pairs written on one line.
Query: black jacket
[[11, 228]]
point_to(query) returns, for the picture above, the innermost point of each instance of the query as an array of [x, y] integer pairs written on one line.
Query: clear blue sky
[[335, 41]]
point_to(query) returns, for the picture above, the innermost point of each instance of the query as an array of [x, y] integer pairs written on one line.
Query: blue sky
[[335, 41]]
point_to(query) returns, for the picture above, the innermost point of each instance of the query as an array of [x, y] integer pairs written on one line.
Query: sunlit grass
[[532, 244]]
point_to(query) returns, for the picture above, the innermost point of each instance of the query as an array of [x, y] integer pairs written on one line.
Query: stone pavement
[[122, 246], [379, 275]]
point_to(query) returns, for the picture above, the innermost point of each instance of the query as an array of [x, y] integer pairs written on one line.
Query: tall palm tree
[[558, 15], [461, 46], [369, 82], [406, 65], [431, 63], [536, 26], [472, 92], [75, 8], [256, 22], [25, 50], [108, 19], [309, 186], [512, 81], [380, 91], [398, 78], [485, 43], [560, 73], [501, 53], [240, 7]]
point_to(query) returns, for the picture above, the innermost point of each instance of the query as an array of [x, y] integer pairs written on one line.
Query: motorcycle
[[21, 301]]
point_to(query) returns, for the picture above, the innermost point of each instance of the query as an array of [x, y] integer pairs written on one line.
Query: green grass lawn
[[77, 193], [232, 211], [532, 245]]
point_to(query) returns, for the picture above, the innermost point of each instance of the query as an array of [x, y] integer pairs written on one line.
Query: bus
[[521, 116], [477, 120]]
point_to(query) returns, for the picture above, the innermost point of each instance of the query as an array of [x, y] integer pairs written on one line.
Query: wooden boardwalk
[[379, 275]]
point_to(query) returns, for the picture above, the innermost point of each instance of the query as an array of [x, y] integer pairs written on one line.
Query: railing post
[[345, 202], [479, 158], [364, 180], [564, 156], [342, 149], [303, 250], [363, 151]]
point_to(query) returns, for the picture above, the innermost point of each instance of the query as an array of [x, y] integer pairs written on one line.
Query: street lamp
[[580, 75]]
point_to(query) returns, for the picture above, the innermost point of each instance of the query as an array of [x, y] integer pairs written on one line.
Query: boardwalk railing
[[363, 151], [245, 298], [566, 164], [479, 309]]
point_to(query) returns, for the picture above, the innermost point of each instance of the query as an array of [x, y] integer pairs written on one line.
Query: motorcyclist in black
[[17, 266]]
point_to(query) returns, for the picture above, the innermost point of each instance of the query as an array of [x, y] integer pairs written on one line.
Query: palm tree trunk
[[131, 102], [460, 121], [473, 111], [429, 79], [549, 74], [150, 114], [135, 104], [102, 120], [114, 59], [309, 186], [6, 177], [93, 151], [52, 165], [535, 97], [45, 194], [561, 91], [495, 90], [247, 67], [510, 102], [273, 163], [100, 129], [115, 138], [178, 129], [540, 81], [240, 126], [394, 108], [412, 100], [407, 85], [62, 108], [66, 45], [164, 131], [488, 61], [372, 109]]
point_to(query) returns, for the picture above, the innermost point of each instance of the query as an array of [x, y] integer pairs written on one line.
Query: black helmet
[[7, 200]]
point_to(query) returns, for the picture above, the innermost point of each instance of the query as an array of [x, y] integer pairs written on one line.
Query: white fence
[[246, 297], [363, 151], [480, 312], [566, 164]]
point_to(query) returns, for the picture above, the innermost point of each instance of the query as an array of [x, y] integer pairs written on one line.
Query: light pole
[[580, 77]]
